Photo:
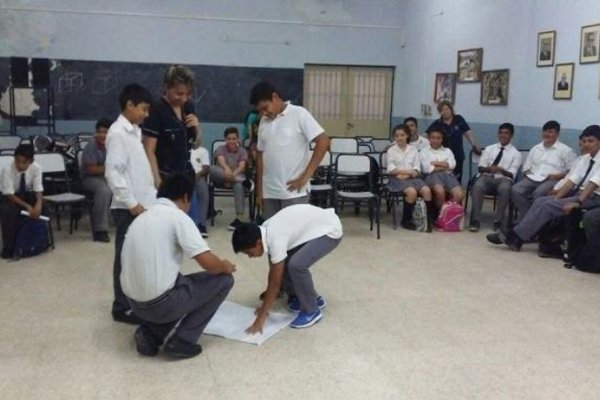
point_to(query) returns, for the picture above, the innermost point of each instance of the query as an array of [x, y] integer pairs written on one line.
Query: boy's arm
[[321, 147], [213, 264], [273, 286], [150, 147]]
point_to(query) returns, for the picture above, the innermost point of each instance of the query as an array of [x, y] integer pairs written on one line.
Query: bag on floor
[[419, 217], [451, 218], [580, 251], [33, 238]]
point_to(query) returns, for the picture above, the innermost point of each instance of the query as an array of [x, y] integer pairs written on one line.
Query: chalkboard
[[88, 90]]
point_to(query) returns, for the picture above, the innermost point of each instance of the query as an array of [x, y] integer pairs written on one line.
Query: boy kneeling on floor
[[294, 239], [22, 189]]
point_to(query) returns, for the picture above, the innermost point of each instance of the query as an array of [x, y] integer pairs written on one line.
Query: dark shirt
[[93, 154], [453, 134], [174, 140]]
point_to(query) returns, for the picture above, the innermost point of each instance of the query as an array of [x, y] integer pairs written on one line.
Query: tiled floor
[[411, 316]]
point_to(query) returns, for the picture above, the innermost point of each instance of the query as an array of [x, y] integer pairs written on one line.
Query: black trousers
[[12, 221], [123, 219]]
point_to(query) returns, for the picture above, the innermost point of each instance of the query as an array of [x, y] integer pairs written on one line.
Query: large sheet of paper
[[231, 320]]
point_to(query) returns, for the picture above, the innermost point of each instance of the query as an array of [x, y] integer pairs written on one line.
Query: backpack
[[451, 218], [419, 217], [581, 252], [33, 238]]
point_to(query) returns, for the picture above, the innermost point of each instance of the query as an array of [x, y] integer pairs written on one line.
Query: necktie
[[587, 172], [22, 184], [498, 157]]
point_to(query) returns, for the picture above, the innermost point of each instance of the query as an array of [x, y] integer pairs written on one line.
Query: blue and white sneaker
[[294, 304], [305, 319]]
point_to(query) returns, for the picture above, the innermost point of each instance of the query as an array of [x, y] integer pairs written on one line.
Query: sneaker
[[474, 226], [145, 342], [179, 348], [494, 238], [234, 224], [126, 316], [305, 319], [203, 231], [293, 303]]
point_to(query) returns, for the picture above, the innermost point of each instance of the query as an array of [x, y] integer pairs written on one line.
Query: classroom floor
[[411, 316]]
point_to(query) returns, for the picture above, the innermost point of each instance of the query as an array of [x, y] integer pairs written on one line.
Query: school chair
[[381, 145], [215, 191], [321, 191], [59, 191], [349, 169], [9, 143], [339, 145]]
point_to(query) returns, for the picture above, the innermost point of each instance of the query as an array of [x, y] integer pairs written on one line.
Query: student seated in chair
[[201, 162], [159, 294], [94, 182], [582, 189], [498, 168], [438, 163], [547, 163], [295, 238], [229, 171], [404, 169], [22, 191]]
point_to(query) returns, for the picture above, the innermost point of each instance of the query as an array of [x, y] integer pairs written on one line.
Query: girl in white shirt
[[403, 168], [438, 162]]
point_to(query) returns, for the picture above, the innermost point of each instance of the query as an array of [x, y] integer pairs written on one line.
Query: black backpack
[[33, 238], [581, 252]]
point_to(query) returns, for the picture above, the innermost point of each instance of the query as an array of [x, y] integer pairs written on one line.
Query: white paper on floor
[[231, 320]]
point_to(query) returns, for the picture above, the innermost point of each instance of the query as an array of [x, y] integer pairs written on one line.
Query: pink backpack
[[451, 218]]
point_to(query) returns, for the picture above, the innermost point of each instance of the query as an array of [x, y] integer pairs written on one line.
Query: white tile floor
[[412, 316]]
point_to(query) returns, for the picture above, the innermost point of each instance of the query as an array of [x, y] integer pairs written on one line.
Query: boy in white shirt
[[201, 163], [437, 163], [22, 191], [129, 176], [284, 165], [416, 139], [403, 168], [547, 163], [498, 168], [294, 239]]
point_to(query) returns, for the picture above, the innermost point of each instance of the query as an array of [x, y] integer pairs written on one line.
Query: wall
[[507, 30]]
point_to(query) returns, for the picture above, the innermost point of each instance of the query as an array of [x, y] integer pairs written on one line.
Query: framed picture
[[590, 44], [445, 87], [494, 87], [545, 48], [563, 81], [469, 65]]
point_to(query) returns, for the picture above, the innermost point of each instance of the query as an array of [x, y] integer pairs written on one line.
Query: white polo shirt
[[153, 251], [11, 178], [296, 225], [284, 142], [510, 161], [429, 155], [199, 157], [403, 159], [127, 169], [579, 170], [543, 161]]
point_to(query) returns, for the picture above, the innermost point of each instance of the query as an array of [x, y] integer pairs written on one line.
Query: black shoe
[[497, 226], [494, 238], [126, 316], [101, 236], [511, 239], [234, 224], [203, 231], [474, 226], [550, 251], [145, 342], [179, 348], [407, 224]]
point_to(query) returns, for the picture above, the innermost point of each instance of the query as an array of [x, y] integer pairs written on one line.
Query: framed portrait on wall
[[469, 65], [494, 87], [545, 48], [563, 81], [589, 50], [445, 87]]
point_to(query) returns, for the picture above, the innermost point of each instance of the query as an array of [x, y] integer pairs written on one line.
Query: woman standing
[[454, 128]]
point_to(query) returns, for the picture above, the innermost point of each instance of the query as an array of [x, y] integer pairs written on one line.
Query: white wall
[[507, 30]]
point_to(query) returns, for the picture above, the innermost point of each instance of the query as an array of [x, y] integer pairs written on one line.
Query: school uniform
[[199, 158], [453, 139], [443, 178], [153, 252], [541, 162], [217, 174], [546, 208], [23, 185], [506, 157], [407, 159], [284, 142], [129, 176], [421, 143], [300, 235], [95, 154]]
